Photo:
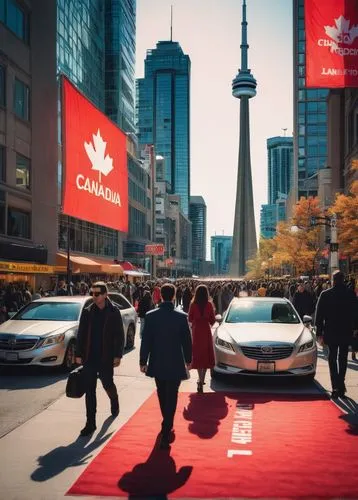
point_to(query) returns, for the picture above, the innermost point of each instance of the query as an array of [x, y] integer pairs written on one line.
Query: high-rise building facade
[[197, 216], [280, 167], [163, 113], [310, 116], [120, 50], [280, 181], [96, 50], [28, 140], [221, 249]]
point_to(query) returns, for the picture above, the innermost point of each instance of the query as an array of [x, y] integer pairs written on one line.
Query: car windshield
[[50, 311], [247, 311]]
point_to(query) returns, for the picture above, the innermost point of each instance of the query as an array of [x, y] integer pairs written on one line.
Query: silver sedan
[[264, 336], [44, 331]]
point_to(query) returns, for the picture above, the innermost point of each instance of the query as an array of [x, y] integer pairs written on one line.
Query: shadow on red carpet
[[230, 445]]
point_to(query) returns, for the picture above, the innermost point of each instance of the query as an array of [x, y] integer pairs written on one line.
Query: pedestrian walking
[[303, 301], [336, 320], [186, 298], [145, 305], [100, 342], [165, 354], [202, 318]]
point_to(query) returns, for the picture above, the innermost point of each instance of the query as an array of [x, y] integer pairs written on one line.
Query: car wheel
[[130, 337], [69, 358]]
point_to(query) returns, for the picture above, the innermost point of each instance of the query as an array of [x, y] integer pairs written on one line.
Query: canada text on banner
[[95, 158], [331, 43]]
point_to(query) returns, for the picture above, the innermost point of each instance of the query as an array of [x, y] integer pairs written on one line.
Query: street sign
[[334, 247], [157, 249]]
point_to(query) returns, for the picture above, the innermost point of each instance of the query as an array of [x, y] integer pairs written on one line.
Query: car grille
[[14, 343], [258, 352]]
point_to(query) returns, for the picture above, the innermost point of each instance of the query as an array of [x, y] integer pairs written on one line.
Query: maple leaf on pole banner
[[331, 43]]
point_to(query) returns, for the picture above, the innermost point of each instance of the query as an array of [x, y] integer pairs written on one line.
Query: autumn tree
[[346, 209]]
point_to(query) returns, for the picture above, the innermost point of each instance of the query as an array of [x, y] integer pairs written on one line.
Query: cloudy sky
[[209, 31]]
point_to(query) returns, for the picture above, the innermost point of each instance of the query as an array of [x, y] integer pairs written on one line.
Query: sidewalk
[[42, 458]]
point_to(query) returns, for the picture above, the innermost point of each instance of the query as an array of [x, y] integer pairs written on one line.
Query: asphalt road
[[26, 391]]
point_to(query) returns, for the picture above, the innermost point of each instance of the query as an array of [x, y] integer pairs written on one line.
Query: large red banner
[[331, 43], [95, 159]]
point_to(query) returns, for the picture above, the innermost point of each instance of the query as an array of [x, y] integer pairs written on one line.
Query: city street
[[36, 413]]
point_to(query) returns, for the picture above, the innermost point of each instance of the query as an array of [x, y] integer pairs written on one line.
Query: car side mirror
[[307, 319], [11, 314], [219, 318]]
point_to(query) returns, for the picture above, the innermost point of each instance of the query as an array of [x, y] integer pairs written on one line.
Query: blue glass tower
[[120, 47], [163, 112]]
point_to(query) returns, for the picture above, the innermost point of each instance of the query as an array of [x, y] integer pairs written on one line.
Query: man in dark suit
[[166, 341], [100, 342], [336, 320]]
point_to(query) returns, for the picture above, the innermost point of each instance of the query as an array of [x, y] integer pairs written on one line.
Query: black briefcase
[[75, 387]]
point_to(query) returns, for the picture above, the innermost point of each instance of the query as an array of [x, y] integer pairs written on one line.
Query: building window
[[2, 164], [21, 100], [23, 168], [18, 223], [15, 18], [2, 85]]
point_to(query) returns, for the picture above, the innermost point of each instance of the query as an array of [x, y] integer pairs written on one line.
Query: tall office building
[[310, 117], [28, 135], [120, 51], [244, 243], [197, 216], [280, 181], [163, 111], [221, 249], [280, 167], [96, 50]]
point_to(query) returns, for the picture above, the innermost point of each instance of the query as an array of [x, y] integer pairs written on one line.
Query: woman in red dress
[[202, 317]]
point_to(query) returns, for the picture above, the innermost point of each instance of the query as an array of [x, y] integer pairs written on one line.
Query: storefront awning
[[137, 274], [86, 265]]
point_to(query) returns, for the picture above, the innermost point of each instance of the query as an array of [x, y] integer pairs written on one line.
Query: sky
[[209, 31]]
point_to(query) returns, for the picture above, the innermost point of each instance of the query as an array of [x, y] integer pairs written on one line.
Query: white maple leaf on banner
[[341, 33], [96, 153]]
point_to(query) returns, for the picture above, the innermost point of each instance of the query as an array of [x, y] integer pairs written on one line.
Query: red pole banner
[[331, 43]]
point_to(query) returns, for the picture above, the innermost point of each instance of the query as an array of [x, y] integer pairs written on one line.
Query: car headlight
[[226, 345], [53, 339], [307, 346]]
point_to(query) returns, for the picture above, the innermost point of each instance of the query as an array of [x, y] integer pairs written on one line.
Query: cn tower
[[244, 245]]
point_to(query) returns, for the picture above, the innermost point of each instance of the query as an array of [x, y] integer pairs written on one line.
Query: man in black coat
[[303, 301], [336, 319], [99, 347], [166, 341]]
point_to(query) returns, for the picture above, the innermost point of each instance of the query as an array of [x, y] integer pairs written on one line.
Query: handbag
[[75, 387]]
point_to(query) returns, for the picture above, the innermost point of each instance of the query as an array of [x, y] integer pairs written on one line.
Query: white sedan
[[264, 336], [44, 331]]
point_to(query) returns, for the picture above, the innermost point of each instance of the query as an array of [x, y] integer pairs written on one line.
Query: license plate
[[11, 356], [265, 367]]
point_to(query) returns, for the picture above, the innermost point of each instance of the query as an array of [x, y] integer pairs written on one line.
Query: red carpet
[[230, 445]]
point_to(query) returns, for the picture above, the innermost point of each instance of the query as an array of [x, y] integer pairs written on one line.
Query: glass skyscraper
[[163, 112], [221, 248], [280, 181], [280, 167], [310, 115], [120, 47], [96, 50], [197, 216]]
